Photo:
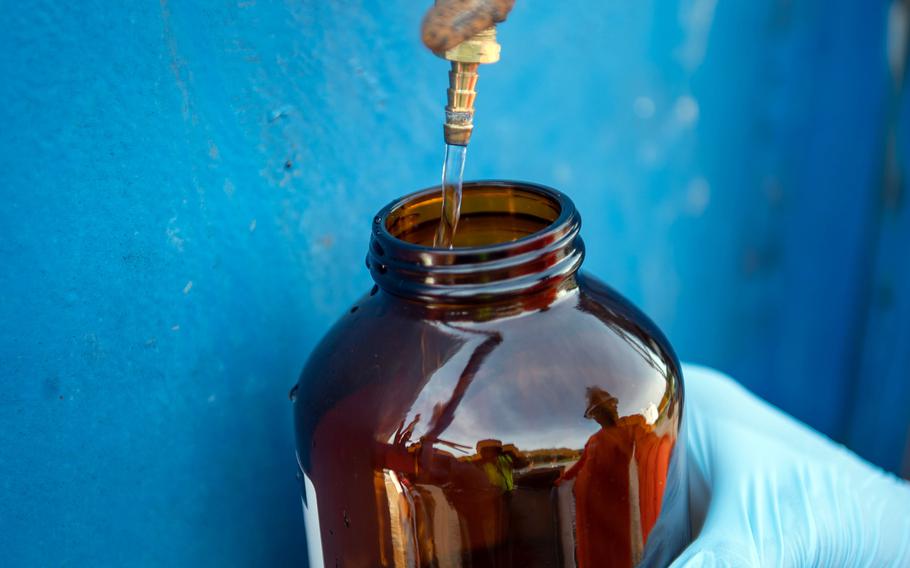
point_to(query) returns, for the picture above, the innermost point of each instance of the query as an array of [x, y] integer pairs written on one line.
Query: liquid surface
[[477, 230], [452, 180], [489, 214]]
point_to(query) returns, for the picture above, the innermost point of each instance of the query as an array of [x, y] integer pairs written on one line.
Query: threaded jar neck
[[513, 238]]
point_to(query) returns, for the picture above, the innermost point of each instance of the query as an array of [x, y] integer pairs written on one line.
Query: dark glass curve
[[489, 405]]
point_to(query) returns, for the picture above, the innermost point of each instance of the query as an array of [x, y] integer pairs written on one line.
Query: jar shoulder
[[382, 334], [601, 298], [389, 363]]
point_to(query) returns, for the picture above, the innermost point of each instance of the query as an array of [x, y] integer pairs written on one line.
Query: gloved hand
[[766, 490]]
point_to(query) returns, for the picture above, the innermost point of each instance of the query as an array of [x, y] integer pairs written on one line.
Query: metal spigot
[[463, 32], [465, 58]]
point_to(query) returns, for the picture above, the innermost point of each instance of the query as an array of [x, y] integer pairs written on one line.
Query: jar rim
[[531, 261], [565, 206]]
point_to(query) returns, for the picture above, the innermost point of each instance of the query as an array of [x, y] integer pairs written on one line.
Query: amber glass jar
[[490, 405]]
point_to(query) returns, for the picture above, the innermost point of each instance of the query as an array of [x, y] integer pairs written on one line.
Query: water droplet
[[686, 109], [347, 520], [644, 107], [698, 196], [354, 309], [292, 395], [374, 290]]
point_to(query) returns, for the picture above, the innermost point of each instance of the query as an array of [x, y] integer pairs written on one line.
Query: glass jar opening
[[492, 213], [513, 237]]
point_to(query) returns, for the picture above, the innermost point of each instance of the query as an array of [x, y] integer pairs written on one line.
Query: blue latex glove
[[766, 490]]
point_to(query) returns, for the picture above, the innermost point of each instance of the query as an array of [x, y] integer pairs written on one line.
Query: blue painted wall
[[187, 191]]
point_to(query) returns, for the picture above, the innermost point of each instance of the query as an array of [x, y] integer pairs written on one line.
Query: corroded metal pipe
[[451, 22]]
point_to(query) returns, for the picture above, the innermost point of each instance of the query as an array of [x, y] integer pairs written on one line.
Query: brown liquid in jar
[[489, 405]]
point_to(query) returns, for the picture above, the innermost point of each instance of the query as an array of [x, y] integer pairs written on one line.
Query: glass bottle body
[[533, 429]]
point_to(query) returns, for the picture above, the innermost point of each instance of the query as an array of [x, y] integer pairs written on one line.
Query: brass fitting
[[480, 48], [465, 58]]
